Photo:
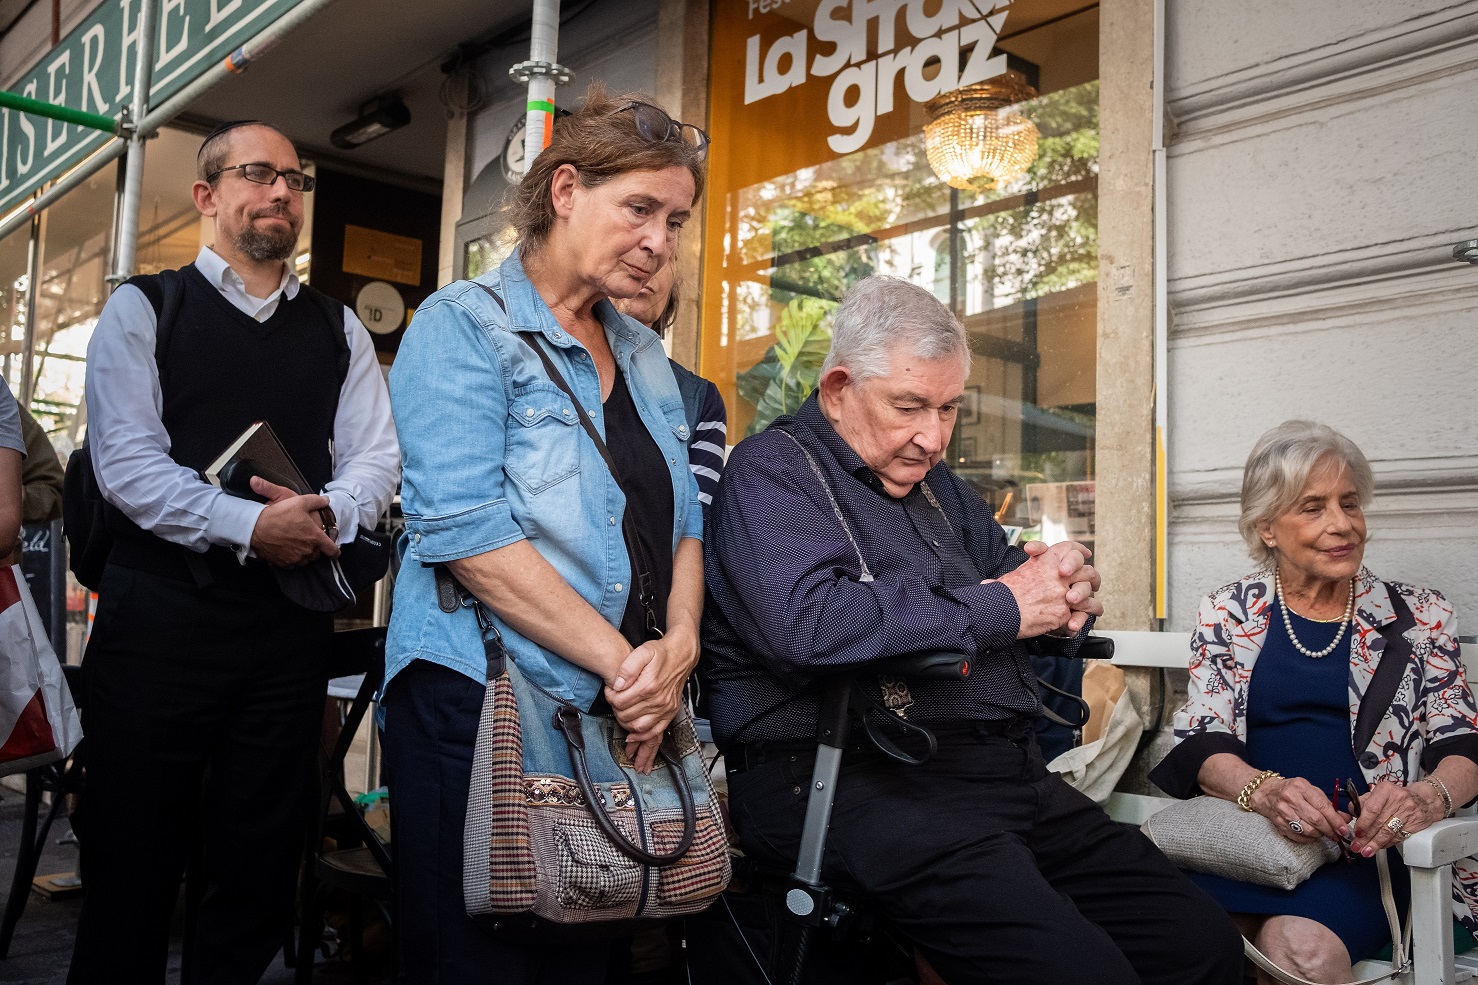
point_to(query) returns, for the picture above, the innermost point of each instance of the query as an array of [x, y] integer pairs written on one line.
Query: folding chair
[[361, 865]]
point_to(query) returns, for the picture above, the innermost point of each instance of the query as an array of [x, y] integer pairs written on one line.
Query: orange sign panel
[[382, 256]]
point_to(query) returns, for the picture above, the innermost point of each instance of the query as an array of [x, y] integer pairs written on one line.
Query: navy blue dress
[[1298, 723]]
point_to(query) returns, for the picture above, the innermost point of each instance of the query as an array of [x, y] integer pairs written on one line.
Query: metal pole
[[126, 232], [39, 107], [33, 298], [543, 47], [1162, 323], [543, 73]]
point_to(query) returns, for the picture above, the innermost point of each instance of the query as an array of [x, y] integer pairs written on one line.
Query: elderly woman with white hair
[[1284, 664]]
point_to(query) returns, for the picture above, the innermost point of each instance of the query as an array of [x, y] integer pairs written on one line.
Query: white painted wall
[[1323, 163]]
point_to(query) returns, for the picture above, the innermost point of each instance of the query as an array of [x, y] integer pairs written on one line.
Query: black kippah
[[227, 127]]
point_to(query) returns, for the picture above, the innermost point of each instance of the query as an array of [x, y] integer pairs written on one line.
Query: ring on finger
[[1296, 826], [1394, 824]]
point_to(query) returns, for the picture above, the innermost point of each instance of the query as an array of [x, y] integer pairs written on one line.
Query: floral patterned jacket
[[1432, 716]]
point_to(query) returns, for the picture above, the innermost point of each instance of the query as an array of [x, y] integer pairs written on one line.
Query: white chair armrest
[[1443, 843]]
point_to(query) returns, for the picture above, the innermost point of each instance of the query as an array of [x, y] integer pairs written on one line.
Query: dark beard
[[263, 246]]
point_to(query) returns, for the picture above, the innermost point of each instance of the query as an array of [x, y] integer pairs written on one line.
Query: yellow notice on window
[[383, 256]]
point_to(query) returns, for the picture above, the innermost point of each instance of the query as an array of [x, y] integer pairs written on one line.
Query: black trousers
[[998, 870], [202, 712], [431, 715]]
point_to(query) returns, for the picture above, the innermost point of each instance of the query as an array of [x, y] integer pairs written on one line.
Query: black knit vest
[[221, 370]]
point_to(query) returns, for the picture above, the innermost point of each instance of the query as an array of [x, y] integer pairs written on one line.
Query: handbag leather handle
[[1400, 940], [567, 721]]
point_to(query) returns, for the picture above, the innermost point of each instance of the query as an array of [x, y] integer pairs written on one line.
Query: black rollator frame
[[808, 900]]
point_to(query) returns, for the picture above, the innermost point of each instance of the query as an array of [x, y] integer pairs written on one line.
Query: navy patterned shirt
[[786, 599]]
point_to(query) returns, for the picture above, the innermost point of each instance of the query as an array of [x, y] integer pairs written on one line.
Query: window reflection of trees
[[797, 242]]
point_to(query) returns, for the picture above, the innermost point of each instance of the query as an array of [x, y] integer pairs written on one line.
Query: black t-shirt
[[647, 483]]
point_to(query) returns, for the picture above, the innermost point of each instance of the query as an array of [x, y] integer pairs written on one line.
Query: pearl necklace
[[1288, 621]]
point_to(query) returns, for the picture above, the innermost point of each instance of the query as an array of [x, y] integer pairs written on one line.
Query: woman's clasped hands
[[647, 690]]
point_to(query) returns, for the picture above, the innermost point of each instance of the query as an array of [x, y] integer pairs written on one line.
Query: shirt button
[[528, 412], [617, 586], [682, 431], [673, 461], [934, 542], [611, 520], [796, 791], [418, 538], [1369, 760], [567, 412]]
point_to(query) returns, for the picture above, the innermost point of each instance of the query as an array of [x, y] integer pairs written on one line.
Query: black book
[[259, 452]]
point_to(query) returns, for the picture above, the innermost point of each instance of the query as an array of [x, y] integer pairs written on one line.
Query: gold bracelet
[[1244, 799], [1441, 789]]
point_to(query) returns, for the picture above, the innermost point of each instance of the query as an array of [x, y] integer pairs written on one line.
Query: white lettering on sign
[[863, 90], [92, 60], [167, 53], [764, 6], [29, 129], [131, 36], [774, 79], [219, 13], [56, 131]]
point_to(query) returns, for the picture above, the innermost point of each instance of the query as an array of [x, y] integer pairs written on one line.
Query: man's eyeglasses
[[655, 126], [266, 174]]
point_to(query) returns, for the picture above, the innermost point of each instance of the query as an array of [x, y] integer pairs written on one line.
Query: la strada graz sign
[[93, 70], [917, 42]]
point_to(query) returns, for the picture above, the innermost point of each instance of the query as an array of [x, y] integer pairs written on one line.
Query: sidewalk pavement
[[42, 947]]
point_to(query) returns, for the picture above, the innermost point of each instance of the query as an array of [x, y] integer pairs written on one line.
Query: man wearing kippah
[[204, 683]]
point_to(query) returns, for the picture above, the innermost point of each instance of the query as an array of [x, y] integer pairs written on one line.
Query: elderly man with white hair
[[840, 538]]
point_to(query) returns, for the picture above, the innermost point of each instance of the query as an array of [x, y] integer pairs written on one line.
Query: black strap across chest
[[636, 545]]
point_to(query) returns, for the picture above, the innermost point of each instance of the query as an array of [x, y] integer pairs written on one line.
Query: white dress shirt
[[130, 447]]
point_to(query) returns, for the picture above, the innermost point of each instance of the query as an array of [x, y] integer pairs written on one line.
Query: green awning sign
[[92, 70]]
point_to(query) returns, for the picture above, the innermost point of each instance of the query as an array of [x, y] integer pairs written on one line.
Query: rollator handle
[[1089, 647]]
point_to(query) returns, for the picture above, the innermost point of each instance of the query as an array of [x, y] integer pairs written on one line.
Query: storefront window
[[170, 230], [14, 260], [820, 177], [76, 254]]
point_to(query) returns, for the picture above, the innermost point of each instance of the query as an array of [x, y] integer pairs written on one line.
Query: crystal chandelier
[[974, 138]]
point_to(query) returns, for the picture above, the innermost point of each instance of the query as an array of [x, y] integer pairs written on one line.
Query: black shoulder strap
[[1388, 673], [641, 557], [166, 294]]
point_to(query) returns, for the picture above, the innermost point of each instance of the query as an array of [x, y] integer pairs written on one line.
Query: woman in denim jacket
[[504, 488]]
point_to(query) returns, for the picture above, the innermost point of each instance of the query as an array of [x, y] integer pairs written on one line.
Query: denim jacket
[[493, 453]]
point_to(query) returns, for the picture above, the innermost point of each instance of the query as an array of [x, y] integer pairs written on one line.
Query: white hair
[[1279, 468], [880, 315]]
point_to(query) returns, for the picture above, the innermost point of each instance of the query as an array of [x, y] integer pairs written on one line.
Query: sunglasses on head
[[655, 126]]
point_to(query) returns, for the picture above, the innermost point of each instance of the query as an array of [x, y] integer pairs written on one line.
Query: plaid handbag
[[560, 826]]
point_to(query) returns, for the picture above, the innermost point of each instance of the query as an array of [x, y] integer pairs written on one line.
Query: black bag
[[89, 522]]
